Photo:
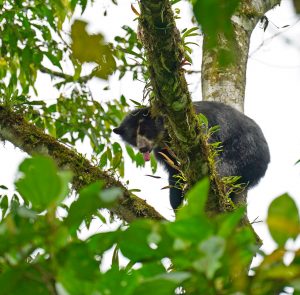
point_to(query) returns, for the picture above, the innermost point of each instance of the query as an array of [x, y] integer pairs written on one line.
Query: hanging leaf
[[283, 219], [92, 48]]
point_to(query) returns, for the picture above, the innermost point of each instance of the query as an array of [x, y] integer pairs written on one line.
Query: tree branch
[[66, 77], [32, 140]]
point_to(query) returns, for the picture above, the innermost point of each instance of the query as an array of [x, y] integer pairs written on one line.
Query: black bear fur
[[245, 152]]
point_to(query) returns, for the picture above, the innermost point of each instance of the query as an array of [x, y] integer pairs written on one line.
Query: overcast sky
[[272, 100]]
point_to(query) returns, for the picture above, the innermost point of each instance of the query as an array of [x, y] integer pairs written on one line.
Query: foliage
[[130, 54], [40, 250], [29, 31], [218, 24], [33, 41], [99, 52]]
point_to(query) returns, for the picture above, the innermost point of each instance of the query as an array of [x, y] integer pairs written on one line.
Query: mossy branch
[[164, 51], [30, 139]]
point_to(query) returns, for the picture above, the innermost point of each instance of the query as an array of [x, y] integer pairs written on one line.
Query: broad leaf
[[41, 184], [92, 48], [283, 219], [91, 199], [196, 198]]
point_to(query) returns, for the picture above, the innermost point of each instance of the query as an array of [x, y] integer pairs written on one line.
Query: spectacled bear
[[245, 152]]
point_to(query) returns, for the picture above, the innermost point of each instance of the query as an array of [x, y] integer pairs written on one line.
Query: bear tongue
[[146, 156]]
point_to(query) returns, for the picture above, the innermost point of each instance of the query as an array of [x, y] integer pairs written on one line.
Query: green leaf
[[190, 32], [78, 270], [230, 221], [163, 284], [22, 281], [220, 13], [101, 242], [117, 159], [139, 160], [283, 219], [199, 228], [4, 204], [97, 52], [203, 120], [153, 163], [117, 281], [150, 269], [196, 198], [54, 59], [123, 101], [135, 243], [217, 24], [213, 249], [91, 199], [65, 179], [40, 184], [130, 152], [136, 103], [103, 160]]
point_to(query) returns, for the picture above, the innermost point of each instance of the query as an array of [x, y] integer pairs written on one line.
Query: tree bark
[[32, 140], [227, 84]]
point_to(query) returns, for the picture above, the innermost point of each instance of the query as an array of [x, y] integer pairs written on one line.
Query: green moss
[[178, 105]]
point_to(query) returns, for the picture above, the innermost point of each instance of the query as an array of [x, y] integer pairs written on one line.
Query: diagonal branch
[[66, 77], [15, 129]]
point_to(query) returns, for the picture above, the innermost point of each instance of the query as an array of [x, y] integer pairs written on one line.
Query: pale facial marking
[[143, 142]]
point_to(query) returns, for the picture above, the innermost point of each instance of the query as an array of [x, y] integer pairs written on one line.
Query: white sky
[[272, 100]]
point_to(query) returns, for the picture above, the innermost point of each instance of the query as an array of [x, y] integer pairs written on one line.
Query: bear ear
[[118, 130]]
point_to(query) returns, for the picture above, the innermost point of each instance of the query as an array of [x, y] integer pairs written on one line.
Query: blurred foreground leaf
[[283, 219], [92, 48], [41, 184], [91, 199]]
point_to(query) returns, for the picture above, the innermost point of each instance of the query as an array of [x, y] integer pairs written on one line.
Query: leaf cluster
[[30, 35], [33, 41], [41, 251], [130, 55]]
